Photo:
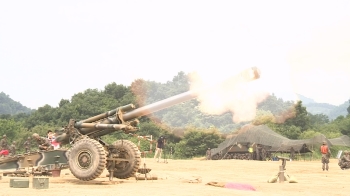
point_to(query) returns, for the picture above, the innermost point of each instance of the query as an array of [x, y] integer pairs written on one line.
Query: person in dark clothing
[[159, 148], [257, 152], [292, 153]]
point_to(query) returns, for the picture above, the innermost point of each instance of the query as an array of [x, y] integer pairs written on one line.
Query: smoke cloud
[[238, 94]]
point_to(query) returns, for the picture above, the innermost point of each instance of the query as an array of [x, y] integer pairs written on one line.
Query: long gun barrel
[[125, 117], [154, 107], [87, 127]]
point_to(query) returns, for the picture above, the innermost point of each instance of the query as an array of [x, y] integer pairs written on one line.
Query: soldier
[[257, 152], [292, 153], [27, 144], [344, 162], [263, 153], [251, 152], [44, 143], [208, 153], [12, 148], [159, 148], [3, 143], [220, 154], [325, 156]]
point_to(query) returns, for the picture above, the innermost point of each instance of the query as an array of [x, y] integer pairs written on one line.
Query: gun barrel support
[[89, 128], [109, 113]]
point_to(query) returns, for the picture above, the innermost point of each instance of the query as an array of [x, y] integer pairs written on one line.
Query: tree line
[[189, 132]]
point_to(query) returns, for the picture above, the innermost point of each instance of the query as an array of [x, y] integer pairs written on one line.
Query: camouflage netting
[[340, 141], [275, 142]]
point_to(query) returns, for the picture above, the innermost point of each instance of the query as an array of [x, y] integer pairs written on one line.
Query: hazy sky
[[51, 50]]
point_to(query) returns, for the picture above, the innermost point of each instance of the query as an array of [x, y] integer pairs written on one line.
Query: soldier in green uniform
[[208, 154], [3, 143], [344, 162], [263, 153], [292, 153], [258, 152], [12, 148], [27, 144], [43, 142]]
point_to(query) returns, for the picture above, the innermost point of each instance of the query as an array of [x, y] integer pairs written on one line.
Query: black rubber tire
[[129, 151], [215, 157], [94, 155]]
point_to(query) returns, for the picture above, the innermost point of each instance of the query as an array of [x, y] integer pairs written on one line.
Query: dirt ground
[[189, 177]]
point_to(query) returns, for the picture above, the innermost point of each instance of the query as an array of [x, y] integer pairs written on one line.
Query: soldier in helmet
[[27, 144], [12, 148], [3, 143], [344, 162], [43, 142]]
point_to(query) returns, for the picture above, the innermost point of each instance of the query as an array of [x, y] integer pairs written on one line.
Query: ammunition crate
[[19, 183], [40, 183]]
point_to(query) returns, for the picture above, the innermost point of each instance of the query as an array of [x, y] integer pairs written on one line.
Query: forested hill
[[327, 109], [93, 101], [9, 106], [186, 127]]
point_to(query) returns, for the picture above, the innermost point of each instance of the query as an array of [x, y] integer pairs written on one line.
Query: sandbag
[[292, 179], [273, 179]]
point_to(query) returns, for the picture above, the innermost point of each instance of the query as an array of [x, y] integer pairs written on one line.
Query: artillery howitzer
[[89, 155]]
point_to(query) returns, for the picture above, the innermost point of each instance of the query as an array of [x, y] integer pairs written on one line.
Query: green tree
[[196, 141], [308, 134], [10, 128], [291, 132], [317, 120], [340, 125], [263, 117], [300, 119]]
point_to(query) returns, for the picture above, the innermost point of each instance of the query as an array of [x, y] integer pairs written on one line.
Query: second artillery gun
[[89, 155]]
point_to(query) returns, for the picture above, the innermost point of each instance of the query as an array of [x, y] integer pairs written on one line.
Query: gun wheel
[[87, 159], [127, 150]]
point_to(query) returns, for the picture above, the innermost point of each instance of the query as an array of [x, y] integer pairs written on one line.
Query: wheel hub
[[84, 160]]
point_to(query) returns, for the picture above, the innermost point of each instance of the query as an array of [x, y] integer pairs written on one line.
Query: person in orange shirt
[[325, 156]]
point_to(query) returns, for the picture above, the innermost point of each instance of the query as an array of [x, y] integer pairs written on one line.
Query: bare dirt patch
[[189, 177]]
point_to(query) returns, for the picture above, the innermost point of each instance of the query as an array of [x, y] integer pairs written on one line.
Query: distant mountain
[[9, 106], [306, 100], [330, 110]]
